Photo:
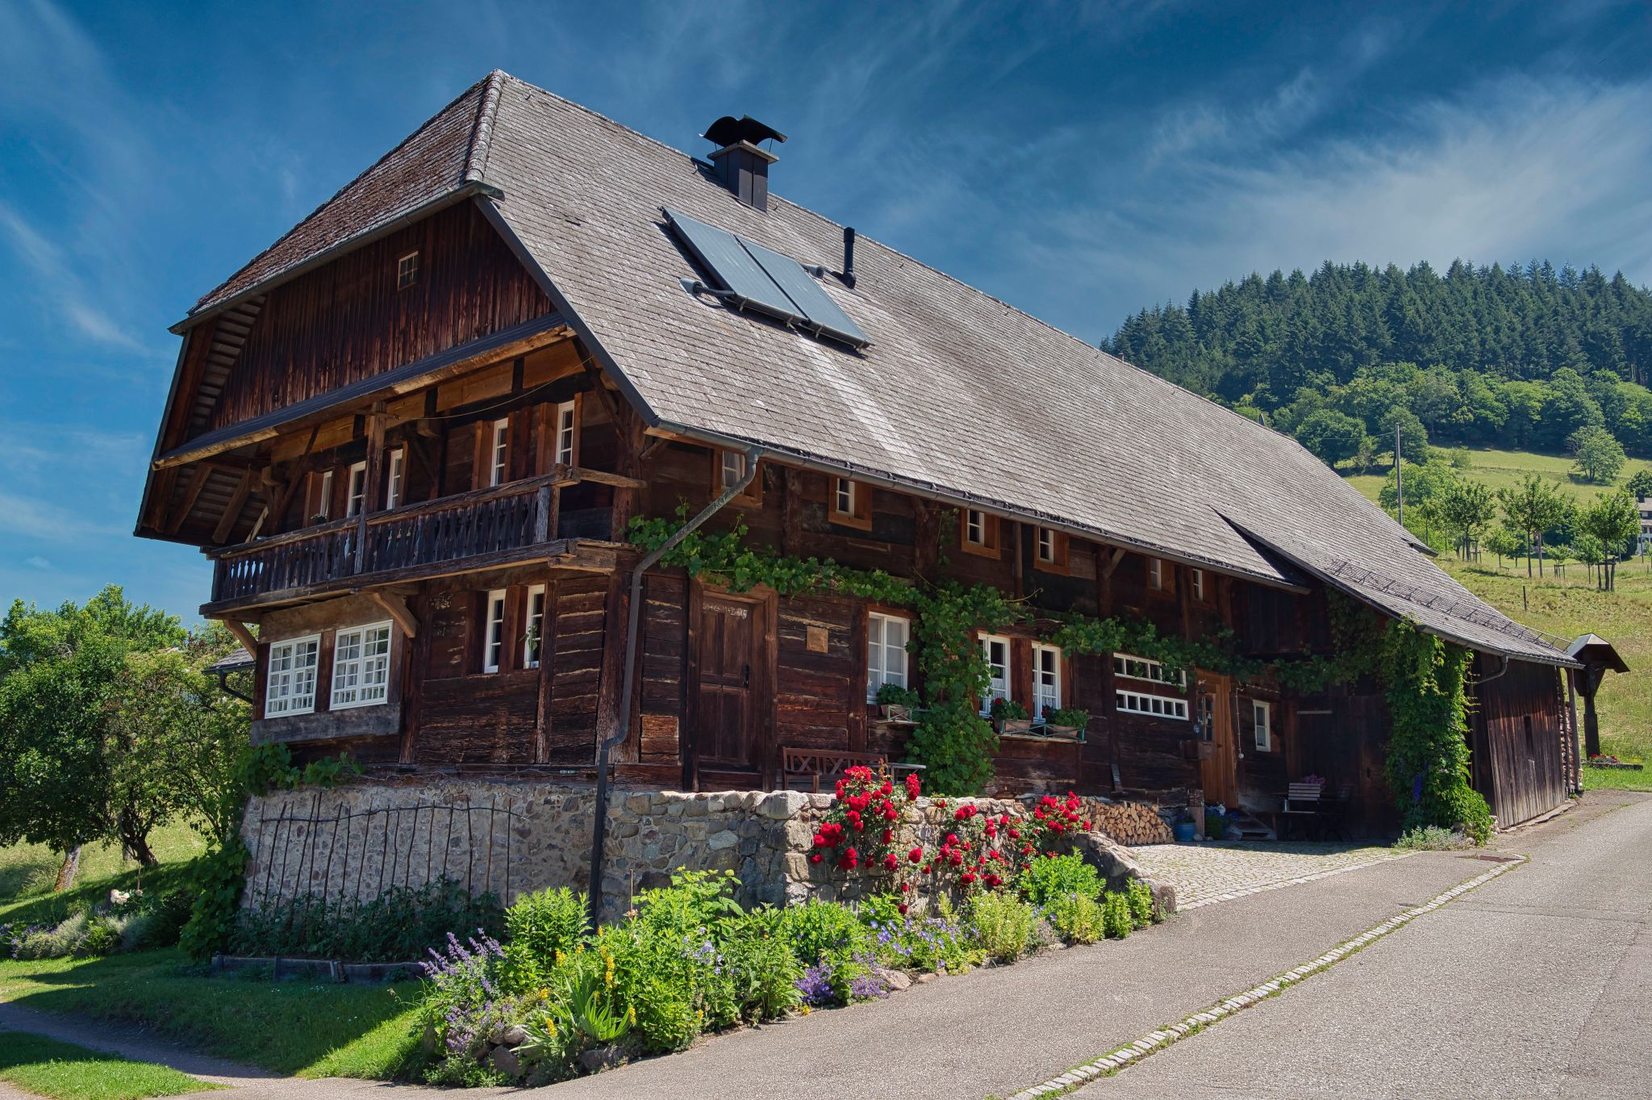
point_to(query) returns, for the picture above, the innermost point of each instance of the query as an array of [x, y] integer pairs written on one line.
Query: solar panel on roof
[[729, 263], [765, 279], [811, 301]]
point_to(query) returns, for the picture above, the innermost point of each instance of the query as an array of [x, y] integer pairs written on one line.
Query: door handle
[[745, 676]]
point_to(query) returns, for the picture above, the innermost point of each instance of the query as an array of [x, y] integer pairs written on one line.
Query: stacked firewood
[[1129, 823]]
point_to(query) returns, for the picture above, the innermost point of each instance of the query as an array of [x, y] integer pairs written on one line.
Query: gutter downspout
[[622, 729]]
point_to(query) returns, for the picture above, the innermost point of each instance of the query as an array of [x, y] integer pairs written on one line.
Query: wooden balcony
[[513, 522]]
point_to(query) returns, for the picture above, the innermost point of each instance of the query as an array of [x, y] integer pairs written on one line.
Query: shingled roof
[[959, 394]]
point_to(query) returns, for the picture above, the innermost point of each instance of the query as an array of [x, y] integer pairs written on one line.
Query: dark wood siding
[[346, 321], [1515, 736]]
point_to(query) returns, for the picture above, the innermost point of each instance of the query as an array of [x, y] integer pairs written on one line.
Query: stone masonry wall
[[510, 837]]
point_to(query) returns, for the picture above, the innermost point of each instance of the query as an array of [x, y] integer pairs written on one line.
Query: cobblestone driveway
[[1207, 873]]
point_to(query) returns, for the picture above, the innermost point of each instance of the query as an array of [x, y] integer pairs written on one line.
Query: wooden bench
[[1304, 802], [810, 766]]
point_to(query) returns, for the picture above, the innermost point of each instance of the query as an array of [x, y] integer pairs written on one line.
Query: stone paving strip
[[1155, 1041], [1206, 874]]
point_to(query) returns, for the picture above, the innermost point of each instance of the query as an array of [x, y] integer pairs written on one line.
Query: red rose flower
[[890, 861], [912, 785], [967, 877], [915, 854], [888, 836], [901, 908], [815, 857]]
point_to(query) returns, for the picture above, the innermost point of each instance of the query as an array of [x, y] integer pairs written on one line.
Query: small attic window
[[407, 271]]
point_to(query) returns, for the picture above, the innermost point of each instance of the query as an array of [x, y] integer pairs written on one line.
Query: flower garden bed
[[939, 887]]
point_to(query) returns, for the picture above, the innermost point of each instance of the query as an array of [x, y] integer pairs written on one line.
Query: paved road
[[1538, 984]]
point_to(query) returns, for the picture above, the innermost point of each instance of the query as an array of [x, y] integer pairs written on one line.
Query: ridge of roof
[[481, 134]]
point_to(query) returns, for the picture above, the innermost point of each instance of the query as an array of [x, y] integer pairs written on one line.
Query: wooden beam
[[226, 523], [191, 495], [396, 607], [1113, 562], [242, 635]]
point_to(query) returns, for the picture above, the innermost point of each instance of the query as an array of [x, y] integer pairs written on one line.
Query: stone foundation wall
[[509, 837]]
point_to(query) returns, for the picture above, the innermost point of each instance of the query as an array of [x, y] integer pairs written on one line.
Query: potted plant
[[896, 703], [1010, 716], [1066, 722]]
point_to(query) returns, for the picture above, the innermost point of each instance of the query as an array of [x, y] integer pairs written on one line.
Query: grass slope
[[1504, 469], [65, 1071], [28, 871]]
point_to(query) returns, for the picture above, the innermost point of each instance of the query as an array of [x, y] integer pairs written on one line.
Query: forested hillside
[[1521, 358]]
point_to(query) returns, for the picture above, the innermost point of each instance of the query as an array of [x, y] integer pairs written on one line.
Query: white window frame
[[844, 494], [885, 660], [975, 527], [324, 505], [493, 631], [1046, 545], [282, 696], [407, 269], [1262, 714], [1046, 661], [1199, 584], [395, 468], [567, 424], [361, 678], [1149, 704], [499, 452], [732, 468], [1155, 574], [355, 498], [533, 630], [994, 691], [1143, 668]]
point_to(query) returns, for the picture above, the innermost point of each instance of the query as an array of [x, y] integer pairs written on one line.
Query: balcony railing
[[401, 541]]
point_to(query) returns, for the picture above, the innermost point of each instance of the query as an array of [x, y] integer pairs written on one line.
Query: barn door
[[728, 676], [1217, 757]]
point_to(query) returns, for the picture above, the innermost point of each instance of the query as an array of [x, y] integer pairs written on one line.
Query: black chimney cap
[[729, 130]]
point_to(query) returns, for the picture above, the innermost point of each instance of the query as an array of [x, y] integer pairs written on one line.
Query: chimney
[[741, 166]]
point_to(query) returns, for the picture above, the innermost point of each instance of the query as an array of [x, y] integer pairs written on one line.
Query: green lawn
[[28, 871], [312, 1029], [68, 1072], [1504, 469]]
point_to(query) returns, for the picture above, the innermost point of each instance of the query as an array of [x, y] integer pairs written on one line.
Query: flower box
[[896, 712], [1015, 725]]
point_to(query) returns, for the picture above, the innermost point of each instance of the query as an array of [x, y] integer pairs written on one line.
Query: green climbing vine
[[952, 740], [1426, 679]]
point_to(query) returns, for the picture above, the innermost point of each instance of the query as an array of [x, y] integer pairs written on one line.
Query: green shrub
[[1003, 925], [761, 970], [400, 924], [694, 900], [818, 929], [1431, 838], [1076, 918], [1047, 879], [918, 941], [1140, 896], [101, 937], [1116, 919], [538, 926]]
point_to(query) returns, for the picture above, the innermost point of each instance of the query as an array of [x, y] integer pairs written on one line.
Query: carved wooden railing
[[401, 540]]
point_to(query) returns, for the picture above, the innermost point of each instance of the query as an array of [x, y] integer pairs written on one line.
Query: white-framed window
[[1159, 706], [407, 270], [975, 527], [324, 503], [566, 426], [361, 666], [1046, 544], [290, 681], [493, 631], [394, 471], [533, 636], [733, 468], [1140, 668], [1262, 713], [886, 638], [844, 491], [1155, 574], [356, 499], [499, 452], [1199, 584], [996, 649], [1046, 679]]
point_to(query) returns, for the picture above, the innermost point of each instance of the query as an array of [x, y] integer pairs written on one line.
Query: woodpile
[[1128, 823]]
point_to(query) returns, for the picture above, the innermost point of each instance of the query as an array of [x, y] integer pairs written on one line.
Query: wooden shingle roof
[[959, 394]]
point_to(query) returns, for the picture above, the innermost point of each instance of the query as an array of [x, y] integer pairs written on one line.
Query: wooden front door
[[728, 676], [1217, 737]]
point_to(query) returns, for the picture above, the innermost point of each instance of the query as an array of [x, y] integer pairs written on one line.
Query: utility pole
[[1399, 477]]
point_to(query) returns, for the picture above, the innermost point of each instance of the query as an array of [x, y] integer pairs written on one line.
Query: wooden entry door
[[728, 681], [1218, 735]]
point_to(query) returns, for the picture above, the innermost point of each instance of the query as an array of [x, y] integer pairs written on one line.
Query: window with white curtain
[[499, 463], [997, 651], [886, 638], [1046, 679], [533, 636], [493, 632]]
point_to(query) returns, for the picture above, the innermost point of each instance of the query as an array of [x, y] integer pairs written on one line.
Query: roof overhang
[[515, 340], [1592, 649]]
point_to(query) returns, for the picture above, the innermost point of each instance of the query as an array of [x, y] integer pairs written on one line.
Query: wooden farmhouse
[[412, 435]]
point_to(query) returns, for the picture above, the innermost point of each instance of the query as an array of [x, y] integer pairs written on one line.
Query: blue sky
[[1079, 161]]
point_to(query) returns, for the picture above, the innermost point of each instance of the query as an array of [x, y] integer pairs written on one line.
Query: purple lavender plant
[[816, 985]]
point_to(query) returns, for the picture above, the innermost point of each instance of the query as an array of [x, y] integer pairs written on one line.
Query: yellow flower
[[631, 1015], [544, 994], [805, 1010]]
